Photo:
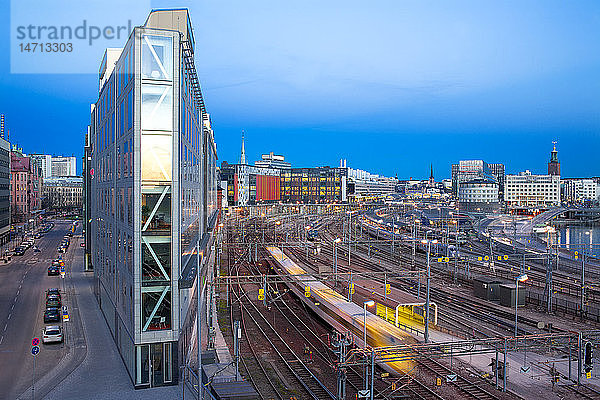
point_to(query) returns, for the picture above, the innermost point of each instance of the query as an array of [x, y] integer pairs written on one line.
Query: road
[[23, 282]]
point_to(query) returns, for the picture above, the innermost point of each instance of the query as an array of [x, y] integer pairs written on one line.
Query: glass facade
[[153, 188], [157, 173]]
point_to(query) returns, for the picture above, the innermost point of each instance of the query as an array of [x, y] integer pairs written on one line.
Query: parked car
[[36, 249], [19, 251], [52, 334], [53, 270], [53, 292], [52, 314]]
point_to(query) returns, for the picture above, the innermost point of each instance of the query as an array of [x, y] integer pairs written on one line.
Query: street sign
[[388, 288], [352, 291], [506, 257], [438, 381], [588, 375], [62, 275], [451, 378], [525, 370], [35, 350], [35, 341], [364, 394], [446, 259], [261, 294], [306, 291], [65, 316]]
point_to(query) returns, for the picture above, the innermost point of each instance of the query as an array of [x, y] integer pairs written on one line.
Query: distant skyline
[[391, 86]]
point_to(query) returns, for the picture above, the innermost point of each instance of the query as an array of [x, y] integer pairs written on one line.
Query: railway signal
[[588, 360], [388, 288], [306, 291], [261, 294]]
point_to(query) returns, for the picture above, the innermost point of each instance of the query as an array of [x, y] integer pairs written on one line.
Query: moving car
[[52, 334], [53, 301], [53, 292], [53, 270], [52, 314], [19, 251]]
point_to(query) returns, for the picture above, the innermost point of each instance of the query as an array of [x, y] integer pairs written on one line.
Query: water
[[585, 239]]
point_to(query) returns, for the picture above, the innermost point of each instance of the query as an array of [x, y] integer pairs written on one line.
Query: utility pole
[[237, 335], [341, 342]]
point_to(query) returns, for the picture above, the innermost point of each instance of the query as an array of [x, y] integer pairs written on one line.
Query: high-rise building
[[467, 170], [554, 165], [44, 162], [55, 165], [153, 196], [64, 166]]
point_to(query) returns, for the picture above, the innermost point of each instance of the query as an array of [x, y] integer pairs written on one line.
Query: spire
[[243, 156], [431, 174], [554, 164]]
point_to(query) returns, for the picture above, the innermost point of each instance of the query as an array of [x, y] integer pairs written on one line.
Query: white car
[[52, 334]]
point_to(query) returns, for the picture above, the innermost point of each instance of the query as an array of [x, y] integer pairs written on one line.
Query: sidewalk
[[102, 374]]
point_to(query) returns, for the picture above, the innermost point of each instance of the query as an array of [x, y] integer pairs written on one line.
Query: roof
[[19, 164]]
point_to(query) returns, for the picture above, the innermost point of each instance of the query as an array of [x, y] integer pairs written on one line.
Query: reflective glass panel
[[157, 57], [157, 107], [156, 157]]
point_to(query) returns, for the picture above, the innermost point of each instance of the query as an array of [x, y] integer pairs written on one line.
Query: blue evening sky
[[391, 86]]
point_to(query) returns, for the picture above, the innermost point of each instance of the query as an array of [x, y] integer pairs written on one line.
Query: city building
[[55, 165], [248, 185], [579, 190], [314, 185], [467, 170], [5, 188], [273, 161], [25, 187], [554, 165], [153, 207], [63, 166], [478, 196], [87, 196], [532, 191], [44, 162], [63, 193], [362, 184]]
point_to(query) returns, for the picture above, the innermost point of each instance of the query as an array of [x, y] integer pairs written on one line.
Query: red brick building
[[25, 186]]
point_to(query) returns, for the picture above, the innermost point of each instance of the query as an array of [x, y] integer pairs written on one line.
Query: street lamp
[[520, 278], [428, 243]]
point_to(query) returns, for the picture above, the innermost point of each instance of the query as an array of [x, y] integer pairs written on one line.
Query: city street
[[23, 282]]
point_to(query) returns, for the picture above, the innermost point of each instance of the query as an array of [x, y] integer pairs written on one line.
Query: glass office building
[[153, 194]]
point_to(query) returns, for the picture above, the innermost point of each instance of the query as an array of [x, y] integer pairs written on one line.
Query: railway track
[[295, 369]]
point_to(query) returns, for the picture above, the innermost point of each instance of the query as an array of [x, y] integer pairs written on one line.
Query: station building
[[153, 192]]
